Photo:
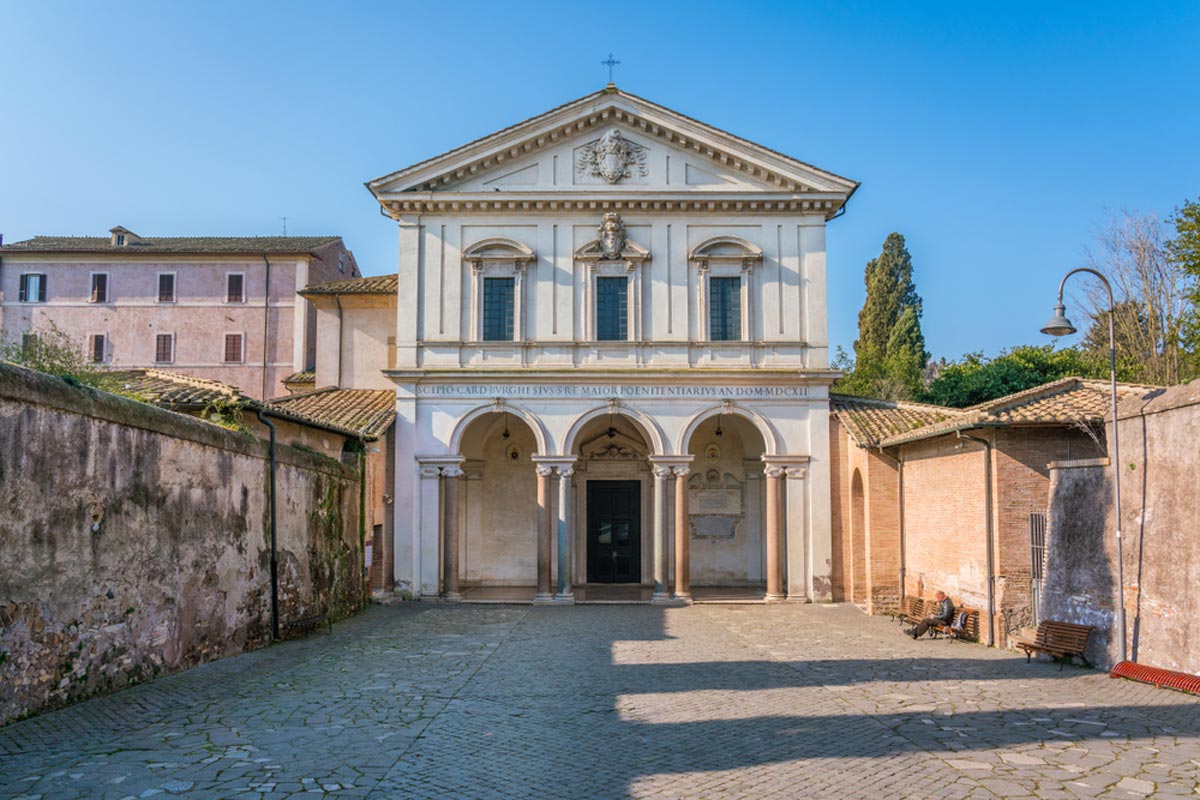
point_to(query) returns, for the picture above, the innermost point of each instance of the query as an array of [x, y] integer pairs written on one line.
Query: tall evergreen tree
[[889, 354]]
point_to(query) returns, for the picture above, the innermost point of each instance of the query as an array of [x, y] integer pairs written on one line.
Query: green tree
[[1183, 251], [977, 379], [889, 354], [54, 352]]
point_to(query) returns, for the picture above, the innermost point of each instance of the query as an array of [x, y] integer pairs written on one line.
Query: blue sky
[[997, 139]]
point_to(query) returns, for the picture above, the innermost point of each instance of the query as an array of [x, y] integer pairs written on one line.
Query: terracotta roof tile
[[364, 412], [172, 389], [307, 376], [870, 421], [171, 244], [374, 284]]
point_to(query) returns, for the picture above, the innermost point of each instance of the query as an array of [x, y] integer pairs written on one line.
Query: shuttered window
[[32, 288], [99, 288], [612, 309], [235, 288], [164, 348], [233, 348]]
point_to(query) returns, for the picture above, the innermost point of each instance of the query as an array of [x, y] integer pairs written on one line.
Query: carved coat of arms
[[612, 235], [612, 157]]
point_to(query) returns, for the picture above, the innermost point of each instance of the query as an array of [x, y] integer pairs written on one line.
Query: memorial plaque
[[715, 505]]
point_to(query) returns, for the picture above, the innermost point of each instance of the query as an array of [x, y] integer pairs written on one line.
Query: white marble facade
[[707, 397]]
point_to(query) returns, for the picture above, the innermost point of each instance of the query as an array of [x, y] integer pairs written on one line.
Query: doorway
[[614, 531]]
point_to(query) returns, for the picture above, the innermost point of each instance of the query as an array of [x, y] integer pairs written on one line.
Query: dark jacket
[[945, 610]]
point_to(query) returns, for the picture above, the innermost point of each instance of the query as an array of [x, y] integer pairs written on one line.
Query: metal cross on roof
[[610, 62]]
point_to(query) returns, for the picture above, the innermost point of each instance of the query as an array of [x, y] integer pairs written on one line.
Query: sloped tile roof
[[1068, 401], [364, 412], [172, 389], [374, 284], [871, 421], [307, 376], [200, 245]]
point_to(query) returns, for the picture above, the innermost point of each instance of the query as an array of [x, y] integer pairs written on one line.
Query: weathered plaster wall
[[135, 541], [1160, 467]]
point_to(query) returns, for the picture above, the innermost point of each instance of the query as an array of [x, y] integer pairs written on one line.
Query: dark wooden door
[[614, 531]]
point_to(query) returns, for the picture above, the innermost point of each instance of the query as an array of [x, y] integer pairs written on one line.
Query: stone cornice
[[822, 205]]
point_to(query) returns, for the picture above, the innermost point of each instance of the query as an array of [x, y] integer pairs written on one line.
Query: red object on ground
[[1158, 676]]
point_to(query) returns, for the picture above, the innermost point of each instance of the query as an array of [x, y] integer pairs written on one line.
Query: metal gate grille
[[1037, 555]]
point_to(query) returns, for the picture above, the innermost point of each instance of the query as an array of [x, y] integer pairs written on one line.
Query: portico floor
[[425, 700], [612, 593]]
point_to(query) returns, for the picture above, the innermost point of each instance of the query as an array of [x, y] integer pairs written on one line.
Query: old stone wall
[[135, 541], [1160, 483]]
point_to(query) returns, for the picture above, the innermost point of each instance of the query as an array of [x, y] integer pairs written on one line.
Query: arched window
[[726, 271], [497, 272]]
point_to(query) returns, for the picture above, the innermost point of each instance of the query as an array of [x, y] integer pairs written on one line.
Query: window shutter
[[41, 288], [23, 291]]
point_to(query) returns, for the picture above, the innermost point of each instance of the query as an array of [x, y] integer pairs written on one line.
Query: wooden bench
[[306, 625], [915, 609], [965, 625], [1059, 640]]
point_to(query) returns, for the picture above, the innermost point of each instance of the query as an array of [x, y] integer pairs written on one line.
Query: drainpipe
[[271, 510], [266, 328], [991, 577], [338, 297]]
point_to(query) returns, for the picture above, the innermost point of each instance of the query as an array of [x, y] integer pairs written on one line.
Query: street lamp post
[[1059, 325]]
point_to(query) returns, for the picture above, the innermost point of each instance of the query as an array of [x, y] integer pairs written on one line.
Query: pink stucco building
[[216, 307]]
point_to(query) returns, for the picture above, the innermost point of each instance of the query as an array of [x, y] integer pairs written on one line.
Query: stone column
[[683, 563], [545, 508], [451, 476], [774, 533], [565, 594], [799, 553], [661, 590]]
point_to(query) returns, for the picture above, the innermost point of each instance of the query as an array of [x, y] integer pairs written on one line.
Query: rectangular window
[[166, 287], [164, 348], [233, 348], [498, 300], [32, 288], [99, 346], [725, 309], [120, 240], [29, 345], [612, 309], [235, 288], [99, 288]]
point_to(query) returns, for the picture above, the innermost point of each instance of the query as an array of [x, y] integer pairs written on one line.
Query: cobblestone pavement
[[428, 701]]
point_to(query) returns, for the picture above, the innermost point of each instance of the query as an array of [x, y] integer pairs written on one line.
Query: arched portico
[[646, 425], [767, 432], [540, 434]]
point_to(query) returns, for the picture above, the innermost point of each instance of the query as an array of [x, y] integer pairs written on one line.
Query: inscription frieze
[[568, 391]]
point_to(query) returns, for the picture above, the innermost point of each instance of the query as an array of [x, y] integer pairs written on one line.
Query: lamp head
[[1059, 325]]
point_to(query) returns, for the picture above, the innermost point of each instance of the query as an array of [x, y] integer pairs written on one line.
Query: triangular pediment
[[611, 143]]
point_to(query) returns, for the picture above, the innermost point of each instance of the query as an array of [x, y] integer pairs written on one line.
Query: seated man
[[942, 616]]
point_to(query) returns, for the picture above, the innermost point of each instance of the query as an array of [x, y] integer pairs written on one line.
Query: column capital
[[681, 472], [774, 471], [797, 473], [662, 470], [566, 471], [544, 470], [452, 471]]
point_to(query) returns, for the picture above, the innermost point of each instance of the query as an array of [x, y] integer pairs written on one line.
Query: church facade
[[610, 360]]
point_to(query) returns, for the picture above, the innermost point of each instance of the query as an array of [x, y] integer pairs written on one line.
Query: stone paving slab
[[436, 701]]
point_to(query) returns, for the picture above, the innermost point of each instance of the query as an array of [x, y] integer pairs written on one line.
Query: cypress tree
[[889, 354]]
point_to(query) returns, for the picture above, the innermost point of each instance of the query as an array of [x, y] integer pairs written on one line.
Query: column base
[[543, 599], [450, 597], [564, 599], [682, 599], [775, 598], [660, 598]]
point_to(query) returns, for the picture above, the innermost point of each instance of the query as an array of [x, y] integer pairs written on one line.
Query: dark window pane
[[236, 292], [98, 348], [611, 309], [166, 288], [32, 288], [498, 309], [100, 288], [725, 309], [164, 348]]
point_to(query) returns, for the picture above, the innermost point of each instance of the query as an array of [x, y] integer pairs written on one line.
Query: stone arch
[[531, 419], [859, 591], [648, 427], [498, 248], [765, 429], [725, 247]]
